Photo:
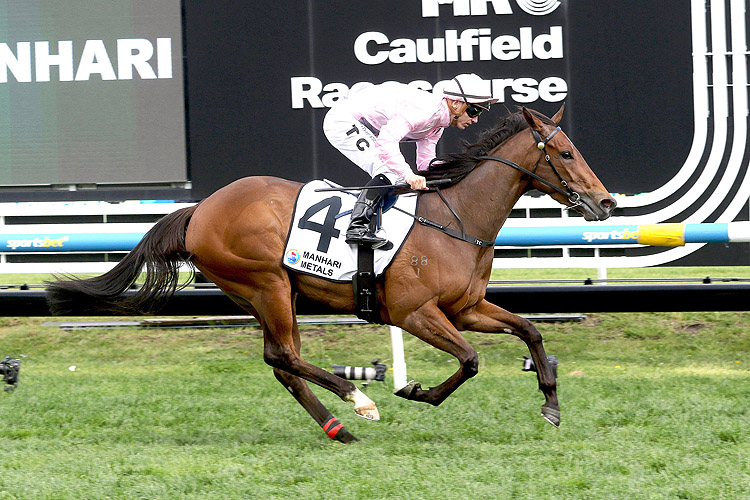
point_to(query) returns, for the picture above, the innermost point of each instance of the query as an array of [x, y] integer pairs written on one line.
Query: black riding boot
[[365, 207]]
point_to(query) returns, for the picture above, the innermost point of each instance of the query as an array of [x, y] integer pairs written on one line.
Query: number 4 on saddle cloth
[[315, 244]]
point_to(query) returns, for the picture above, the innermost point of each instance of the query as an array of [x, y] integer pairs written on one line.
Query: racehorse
[[434, 288]]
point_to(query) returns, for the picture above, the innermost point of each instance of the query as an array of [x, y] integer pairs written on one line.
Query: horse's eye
[[567, 155]]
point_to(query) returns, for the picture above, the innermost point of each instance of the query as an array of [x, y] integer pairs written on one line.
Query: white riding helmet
[[469, 88]]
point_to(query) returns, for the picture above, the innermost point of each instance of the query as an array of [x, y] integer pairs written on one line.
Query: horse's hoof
[[551, 415], [408, 390], [369, 412], [347, 438], [363, 406]]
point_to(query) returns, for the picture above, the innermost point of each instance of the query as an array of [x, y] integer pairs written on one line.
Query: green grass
[[653, 407]]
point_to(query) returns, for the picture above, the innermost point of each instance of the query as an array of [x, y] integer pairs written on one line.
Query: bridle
[[573, 197]]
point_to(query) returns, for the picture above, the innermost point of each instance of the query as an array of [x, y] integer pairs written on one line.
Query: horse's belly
[[338, 297]]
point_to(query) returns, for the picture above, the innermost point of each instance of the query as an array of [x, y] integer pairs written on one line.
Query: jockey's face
[[458, 109]]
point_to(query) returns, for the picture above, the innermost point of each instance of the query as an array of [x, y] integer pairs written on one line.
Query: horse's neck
[[485, 197]]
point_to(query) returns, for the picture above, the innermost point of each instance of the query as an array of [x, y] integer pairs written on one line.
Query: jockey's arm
[[425, 153], [389, 152], [426, 149]]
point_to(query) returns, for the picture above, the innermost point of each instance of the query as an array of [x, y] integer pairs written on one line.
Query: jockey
[[368, 125]]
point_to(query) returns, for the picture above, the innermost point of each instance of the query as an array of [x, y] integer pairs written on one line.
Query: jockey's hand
[[416, 181]]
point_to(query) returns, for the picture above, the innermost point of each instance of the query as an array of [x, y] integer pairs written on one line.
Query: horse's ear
[[532, 120], [558, 116]]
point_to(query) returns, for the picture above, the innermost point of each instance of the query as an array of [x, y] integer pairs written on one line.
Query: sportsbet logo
[[615, 234], [45, 242]]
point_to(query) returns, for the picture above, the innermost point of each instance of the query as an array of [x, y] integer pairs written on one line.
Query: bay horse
[[236, 238]]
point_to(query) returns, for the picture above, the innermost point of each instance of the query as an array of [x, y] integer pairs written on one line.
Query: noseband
[[573, 197]]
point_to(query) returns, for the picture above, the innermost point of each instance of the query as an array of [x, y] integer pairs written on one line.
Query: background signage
[[91, 93], [94, 96]]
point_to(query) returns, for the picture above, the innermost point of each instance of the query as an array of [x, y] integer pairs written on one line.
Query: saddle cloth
[[315, 244]]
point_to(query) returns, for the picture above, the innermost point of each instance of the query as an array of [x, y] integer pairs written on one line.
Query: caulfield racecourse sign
[[370, 47], [483, 42]]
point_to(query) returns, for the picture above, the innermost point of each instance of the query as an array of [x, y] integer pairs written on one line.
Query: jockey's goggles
[[474, 110]]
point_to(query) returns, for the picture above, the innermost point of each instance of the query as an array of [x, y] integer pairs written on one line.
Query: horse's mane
[[455, 166]]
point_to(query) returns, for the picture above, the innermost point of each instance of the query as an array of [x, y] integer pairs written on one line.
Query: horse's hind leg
[[279, 352], [304, 396], [298, 388], [273, 305]]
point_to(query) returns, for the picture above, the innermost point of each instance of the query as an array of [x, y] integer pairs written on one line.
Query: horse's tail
[[161, 251]]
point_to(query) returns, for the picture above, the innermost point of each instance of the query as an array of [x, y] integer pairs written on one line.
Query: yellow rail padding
[[662, 235]]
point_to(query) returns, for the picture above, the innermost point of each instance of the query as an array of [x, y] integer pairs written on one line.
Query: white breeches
[[356, 142]]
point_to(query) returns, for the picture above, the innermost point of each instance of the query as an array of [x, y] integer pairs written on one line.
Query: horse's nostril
[[608, 204]]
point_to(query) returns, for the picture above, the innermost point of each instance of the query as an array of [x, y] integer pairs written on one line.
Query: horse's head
[[564, 174]]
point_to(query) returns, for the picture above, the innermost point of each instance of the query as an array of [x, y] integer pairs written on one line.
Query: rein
[[571, 195]]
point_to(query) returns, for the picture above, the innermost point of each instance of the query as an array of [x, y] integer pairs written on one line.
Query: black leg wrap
[[336, 431]]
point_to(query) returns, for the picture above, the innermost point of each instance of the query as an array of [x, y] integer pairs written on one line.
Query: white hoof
[[363, 406], [370, 412]]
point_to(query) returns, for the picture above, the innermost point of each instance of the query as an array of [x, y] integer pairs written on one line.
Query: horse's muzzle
[[596, 210]]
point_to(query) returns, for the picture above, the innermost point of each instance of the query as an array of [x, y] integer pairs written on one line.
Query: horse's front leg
[[489, 318], [429, 324]]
